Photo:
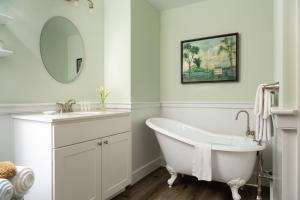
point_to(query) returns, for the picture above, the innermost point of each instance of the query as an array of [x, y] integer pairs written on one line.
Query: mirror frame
[[83, 46]]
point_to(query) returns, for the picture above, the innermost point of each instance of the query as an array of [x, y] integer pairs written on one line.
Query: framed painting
[[210, 59]]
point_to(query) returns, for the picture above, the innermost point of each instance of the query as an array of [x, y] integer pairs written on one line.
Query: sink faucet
[[66, 107], [248, 132], [69, 105]]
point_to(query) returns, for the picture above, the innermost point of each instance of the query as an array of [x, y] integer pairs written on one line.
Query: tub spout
[[248, 132]]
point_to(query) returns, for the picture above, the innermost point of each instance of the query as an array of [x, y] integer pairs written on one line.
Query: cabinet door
[[116, 164], [77, 172]]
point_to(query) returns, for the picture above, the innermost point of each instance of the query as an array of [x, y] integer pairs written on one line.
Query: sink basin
[[81, 113], [89, 113]]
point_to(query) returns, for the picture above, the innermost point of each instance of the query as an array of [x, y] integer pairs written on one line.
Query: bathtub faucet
[[248, 132]]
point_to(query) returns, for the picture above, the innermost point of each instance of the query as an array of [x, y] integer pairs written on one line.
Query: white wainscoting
[[146, 155], [6, 138], [217, 117], [145, 148]]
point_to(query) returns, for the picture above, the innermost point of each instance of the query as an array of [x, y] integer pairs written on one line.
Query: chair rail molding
[[220, 105], [132, 105], [7, 109]]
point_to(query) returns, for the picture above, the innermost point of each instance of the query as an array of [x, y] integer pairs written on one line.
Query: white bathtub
[[233, 157]]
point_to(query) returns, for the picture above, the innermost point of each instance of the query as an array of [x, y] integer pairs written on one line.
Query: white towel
[[23, 181], [262, 111], [202, 168], [6, 189], [258, 106]]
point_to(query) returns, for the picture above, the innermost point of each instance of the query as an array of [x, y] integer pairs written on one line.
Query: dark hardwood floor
[[154, 187]]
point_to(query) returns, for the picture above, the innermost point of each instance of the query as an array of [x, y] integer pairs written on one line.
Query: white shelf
[[4, 19], [284, 111], [5, 53], [285, 118]]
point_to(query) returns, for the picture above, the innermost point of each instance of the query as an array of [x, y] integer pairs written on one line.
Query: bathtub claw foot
[[173, 176], [234, 186]]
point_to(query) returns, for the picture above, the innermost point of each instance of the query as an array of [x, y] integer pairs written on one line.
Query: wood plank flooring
[[154, 187]]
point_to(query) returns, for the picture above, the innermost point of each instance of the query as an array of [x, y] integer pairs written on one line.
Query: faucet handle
[[60, 107], [71, 101], [69, 104], [251, 133]]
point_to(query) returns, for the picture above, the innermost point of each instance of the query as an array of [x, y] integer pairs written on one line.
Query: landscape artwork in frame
[[210, 59]]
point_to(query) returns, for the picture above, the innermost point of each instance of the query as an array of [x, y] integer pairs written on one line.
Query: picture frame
[[210, 59]]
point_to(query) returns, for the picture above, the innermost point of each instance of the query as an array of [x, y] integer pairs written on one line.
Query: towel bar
[[272, 86]]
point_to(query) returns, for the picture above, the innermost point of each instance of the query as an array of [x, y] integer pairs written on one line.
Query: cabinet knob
[[99, 143], [106, 142]]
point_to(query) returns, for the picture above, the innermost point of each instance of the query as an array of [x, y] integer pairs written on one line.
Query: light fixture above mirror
[[90, 2]]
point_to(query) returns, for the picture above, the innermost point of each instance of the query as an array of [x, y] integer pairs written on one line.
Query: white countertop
[[41, 117]]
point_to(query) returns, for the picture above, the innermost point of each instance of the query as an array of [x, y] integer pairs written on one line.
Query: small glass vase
[[102, 105]]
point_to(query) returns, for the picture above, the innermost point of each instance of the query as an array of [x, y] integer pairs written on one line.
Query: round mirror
[[62, 49]]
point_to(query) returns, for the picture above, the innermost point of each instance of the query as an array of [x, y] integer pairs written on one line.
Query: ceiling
[[168, 4]]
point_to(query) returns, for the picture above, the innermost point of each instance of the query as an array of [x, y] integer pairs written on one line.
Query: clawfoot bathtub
[[233, 157]]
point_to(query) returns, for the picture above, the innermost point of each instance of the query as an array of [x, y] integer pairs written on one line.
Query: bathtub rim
[[186, 140]]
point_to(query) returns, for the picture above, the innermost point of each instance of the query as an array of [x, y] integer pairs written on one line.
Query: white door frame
[[298, 95]]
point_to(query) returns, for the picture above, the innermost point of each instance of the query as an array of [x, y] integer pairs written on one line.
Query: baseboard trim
[[271, 191], [143, 171]]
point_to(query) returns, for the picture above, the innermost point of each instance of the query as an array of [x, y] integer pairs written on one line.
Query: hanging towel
[[6, 189], [202, 162], [22, 182], [262, 112]]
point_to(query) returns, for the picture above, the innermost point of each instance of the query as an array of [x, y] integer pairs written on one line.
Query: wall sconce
[[91, 4]]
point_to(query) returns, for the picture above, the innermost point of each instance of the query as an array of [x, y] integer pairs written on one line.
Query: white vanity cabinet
[[75, 157], [115, 154], [77, 171]]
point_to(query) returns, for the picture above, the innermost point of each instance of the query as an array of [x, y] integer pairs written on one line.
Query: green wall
[[23, 78], [253, 19], [145, 52], [132, 46], [117, 53], [285, 49], [135, 41]]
